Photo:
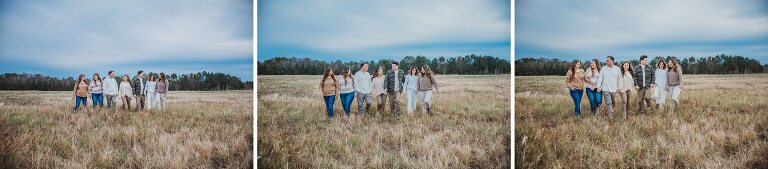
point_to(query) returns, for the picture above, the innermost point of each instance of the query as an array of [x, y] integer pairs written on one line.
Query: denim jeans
[[595, 99], [346, 101], [329, 100], [576, 96], [79, 99], [98, 98]]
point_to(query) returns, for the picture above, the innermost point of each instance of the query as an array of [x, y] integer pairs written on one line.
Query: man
[[139, 86], [643, 84], [110, 89], [393, 85], [608, 81], [362, 85]]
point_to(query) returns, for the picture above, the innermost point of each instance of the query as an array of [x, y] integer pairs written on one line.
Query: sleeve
[[74, 90], [651, 75], [567, 79], [167, 85], [600, 78], [355, 80], [680, 75], [434, 82], [386, 82]]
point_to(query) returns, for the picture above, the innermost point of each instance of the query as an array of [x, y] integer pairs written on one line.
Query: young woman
[[151, 91], [626, 85], [426, 83], [411, 81], [595, 97], [660, 92], [329, 86], [126, 92], [97, 91], [575, 80], [346, 89], [81, 92], [162, 89], [377, 89], [674, 83]]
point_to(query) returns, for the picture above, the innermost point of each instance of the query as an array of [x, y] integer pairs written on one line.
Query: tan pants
[[624, 102], [394, 102], [643, 99], [140, 99], [381, 100], [126, 101]]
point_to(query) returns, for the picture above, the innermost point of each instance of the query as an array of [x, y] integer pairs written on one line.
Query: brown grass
[[470, 129], [198, 129], [721, 124]]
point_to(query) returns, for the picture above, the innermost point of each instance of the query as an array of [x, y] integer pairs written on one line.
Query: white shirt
[[609, 78], [125, 89], [110, 86], [363, 82], [345, 86], [397, 81], [141, 83], [642, 69]]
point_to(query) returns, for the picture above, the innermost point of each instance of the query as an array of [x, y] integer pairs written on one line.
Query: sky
[[627, 29], [63, 38], [354, 30]]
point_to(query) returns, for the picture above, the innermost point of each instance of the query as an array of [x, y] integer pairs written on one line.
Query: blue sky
[[68, 37], [627, 29], [354, 30]]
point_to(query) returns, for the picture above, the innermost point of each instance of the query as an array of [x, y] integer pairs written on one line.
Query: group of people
[[604, 83], [380, 86], [151, 90]]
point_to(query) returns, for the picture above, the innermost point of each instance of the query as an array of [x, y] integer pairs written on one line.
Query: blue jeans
[[79, 99], [595, 99], [576, 96], [98, 98], [329, 100], [346, 101]]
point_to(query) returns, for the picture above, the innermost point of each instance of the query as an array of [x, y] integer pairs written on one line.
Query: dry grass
[[470, 129], [721, 124], [198, 129]]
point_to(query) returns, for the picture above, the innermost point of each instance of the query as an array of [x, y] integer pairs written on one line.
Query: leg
[[77, 102], [576, 99], [591, 98], [397, 103], [360, 100], [391, 97], [368, 102], [608, 103], [423, 102], [426, 101], [640, 100], [598, 99]]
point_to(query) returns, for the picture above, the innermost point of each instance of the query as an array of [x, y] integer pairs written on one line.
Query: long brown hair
[[162, 76], [378, 72], [152, 77], [128, 78], [426, 71], [81, 79], [98, 77], [347, 72], [674, 62], [328, 72], [662, 62], [623, 73], [597, 67], [410, 71], [573, 69]]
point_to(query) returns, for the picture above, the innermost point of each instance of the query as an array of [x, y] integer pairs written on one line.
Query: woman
[[162, 89], [329, 86], [660, 80], [126, 91], [346, 89], [626, 85], [377, 89], [575, 80], [674, 83], [411, 81], [426, 83], [97, 91], [595, 97], [81, 92], [151, 91]]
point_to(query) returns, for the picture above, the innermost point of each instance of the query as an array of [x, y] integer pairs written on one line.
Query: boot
[[429, 111]]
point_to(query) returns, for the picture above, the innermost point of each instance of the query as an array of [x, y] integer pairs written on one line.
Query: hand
[[652, 85], [637, 87]]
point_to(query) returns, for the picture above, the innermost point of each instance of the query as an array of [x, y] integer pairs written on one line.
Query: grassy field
[[470, 128], [198, 129], [722, 123]]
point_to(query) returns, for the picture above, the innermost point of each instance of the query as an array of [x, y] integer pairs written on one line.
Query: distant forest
[[200, 81], [719, 64], [469, 64]]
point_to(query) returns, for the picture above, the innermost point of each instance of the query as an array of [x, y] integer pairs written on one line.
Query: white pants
[[675, 92], [411, 96], [160, 97], [426, 96], [151, 100], [660, 94]]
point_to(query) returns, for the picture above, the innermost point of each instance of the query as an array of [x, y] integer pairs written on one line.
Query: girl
[[126, 91], [626, 85], [163, 85], [346, 89], [151, 91], [81, 92], [674, 83], [575, 80], [97, 91], [329, 86], [411, 81], [660, 79], [425, 85], [595, 97], [377, 89]]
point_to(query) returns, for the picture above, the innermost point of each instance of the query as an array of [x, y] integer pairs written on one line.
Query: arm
[[74, 91], [386, 82], [434, 83], [600, 78], [568, 79], [680, 76]]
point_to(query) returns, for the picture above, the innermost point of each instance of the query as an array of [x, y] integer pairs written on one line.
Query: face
[[394, 67], [670, 63], [141, 75], [592, 64], [644, 61], [365, 68], [94, 77], [414, 71], [578, 65], [609, 61], [626, 66], [112, 75], [125, 78]]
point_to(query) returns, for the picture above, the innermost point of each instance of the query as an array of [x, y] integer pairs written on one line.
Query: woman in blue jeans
[[595, 97], [97, 91], [329, 86], [575, 79], [346, 89]]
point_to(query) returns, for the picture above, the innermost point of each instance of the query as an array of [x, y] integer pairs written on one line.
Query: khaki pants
[[381, 100], [624, 102], [126, 103], [643, 99], [140, 99], [394, 102]]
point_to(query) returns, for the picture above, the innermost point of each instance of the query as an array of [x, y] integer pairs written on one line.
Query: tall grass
[[470, 128], [721, 123], [198, 129]]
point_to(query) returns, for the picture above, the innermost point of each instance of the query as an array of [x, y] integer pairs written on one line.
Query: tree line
[[718, 64], [469, 64], [200, 81]]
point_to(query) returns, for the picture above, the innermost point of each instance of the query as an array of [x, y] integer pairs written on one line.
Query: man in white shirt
[[362, 85], [110, 88], [608, 81]]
